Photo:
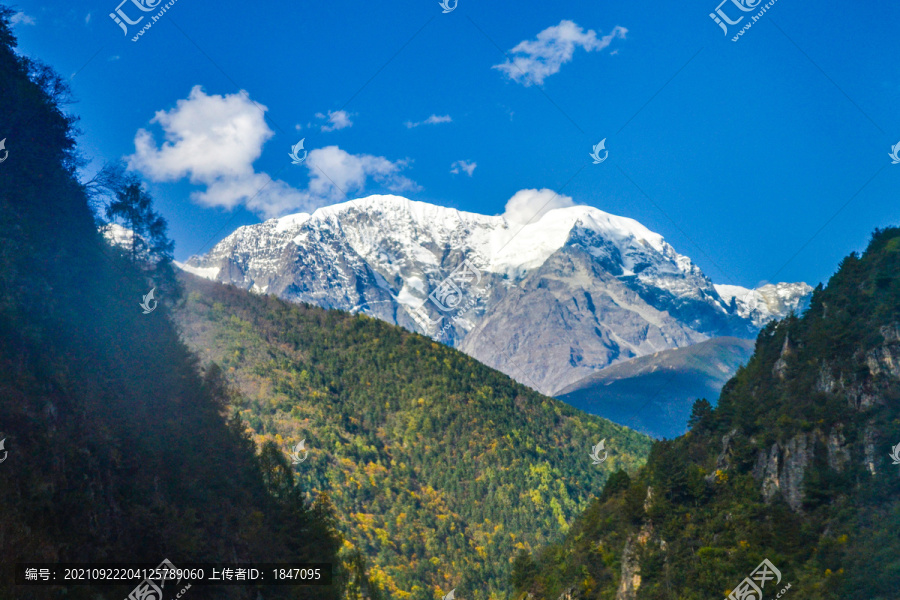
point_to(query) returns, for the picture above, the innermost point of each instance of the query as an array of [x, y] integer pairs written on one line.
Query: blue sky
[[737, 152]]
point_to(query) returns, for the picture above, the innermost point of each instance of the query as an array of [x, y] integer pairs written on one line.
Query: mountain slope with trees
[[117, 447], [439, 466], [793, 466]]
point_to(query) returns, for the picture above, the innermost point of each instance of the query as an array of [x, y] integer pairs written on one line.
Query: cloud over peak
[[528, 206]]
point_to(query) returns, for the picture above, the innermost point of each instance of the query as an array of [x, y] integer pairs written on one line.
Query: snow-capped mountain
[[547, 303], [759, 305]]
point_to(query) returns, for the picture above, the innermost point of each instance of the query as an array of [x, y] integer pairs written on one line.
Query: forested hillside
[[439, 467], [793, 466], [118, 445]]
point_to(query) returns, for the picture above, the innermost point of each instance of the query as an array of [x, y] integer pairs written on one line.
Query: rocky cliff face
[[547, 303], [781, 468], [794, 471]]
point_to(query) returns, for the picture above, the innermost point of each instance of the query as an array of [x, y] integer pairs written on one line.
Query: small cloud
[[22, 18], [614, 52], [113, 57], [535, 60], [87, 19], [338, 119], [432, 120], [528, 206], [463, 166], [298, 127]]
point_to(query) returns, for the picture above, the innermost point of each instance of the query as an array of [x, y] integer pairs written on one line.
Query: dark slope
[[117, 445], [792, 466], [439, 467], [653, 394]]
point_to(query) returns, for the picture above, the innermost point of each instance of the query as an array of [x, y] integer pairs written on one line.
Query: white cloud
[[339, 119], [461, 166], [333, 171], [432, 120], [535, 60], [87, 19], [214, 141], [22, 18], [208, 137], [528, 206]]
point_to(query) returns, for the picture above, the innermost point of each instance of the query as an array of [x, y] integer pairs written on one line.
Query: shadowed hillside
[[793, 466], [654, 394], [118, 447]]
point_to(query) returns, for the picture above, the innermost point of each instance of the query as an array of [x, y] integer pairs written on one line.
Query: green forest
[[119, 445], [820, 396], [440, 468], [167, 433], [138, 436]]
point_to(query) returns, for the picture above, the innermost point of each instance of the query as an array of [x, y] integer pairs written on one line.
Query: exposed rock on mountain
[[547, 303], [795, 470]]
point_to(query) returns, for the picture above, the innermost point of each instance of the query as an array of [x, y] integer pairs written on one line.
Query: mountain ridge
[[459, 278], [794, 466], [432, 461], [654, 393]]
